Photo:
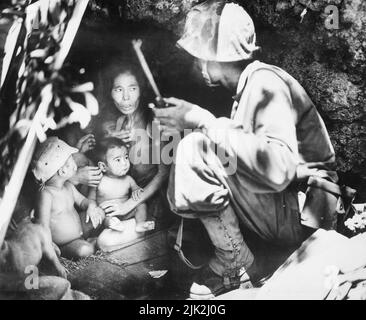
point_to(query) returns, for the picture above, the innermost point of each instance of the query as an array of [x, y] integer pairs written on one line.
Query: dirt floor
[[124, 274]]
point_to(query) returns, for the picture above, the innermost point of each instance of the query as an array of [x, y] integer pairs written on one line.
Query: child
[[112, 156], [53, 166]]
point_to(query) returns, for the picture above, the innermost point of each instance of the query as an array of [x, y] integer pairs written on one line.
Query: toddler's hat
[[49, 157]]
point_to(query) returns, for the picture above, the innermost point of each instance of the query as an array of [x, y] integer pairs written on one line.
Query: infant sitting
[[116, 184]]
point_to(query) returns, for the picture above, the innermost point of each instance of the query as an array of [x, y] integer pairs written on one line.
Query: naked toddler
[[116, 184], [53, 166]]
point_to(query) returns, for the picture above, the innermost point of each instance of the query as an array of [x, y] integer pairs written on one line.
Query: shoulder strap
[[178, 247]]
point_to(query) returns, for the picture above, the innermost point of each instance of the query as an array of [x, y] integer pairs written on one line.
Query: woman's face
[[126, 93]]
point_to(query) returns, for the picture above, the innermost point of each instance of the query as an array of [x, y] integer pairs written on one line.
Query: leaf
[[49, 60], [80, 113], [83, 87], [38, 53], [43, 11], [57, 102], [39, 131], [23, 127], [63, 16], [49, 123], [47, 94], [91, 103]]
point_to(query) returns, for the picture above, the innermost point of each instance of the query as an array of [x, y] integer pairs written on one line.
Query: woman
[[125, 115]]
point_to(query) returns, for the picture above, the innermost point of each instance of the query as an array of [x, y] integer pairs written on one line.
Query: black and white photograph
[[182, 150]]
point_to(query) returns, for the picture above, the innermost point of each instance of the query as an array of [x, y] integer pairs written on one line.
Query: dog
[[26, 246]]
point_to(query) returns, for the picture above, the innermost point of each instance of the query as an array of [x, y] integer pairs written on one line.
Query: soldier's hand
[[179, 115]]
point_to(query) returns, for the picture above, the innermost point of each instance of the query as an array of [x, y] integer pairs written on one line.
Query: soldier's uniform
[[274, 136]]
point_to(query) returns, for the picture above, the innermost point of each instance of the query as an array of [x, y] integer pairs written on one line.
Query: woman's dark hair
[[115, 67]]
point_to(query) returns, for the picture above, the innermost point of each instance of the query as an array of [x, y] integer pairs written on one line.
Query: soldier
[[274, 138]]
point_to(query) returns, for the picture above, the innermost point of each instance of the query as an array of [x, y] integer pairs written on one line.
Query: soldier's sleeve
[[265, 156]]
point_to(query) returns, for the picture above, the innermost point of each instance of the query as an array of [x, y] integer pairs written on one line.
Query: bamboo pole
[[12, 39], [10, 44], [14, 186], [72, 29]]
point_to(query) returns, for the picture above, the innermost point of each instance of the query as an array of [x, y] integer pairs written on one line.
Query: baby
[[112, 156], [53, 166]]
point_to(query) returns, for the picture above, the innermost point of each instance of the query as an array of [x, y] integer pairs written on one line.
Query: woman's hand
[[95, 215], [136, 195], [179, 115], [124, 135], [89, 176], [117, 207], [109, 129], [86, 143]]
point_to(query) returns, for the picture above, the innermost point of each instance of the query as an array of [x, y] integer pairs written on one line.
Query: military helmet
[[219, 31]]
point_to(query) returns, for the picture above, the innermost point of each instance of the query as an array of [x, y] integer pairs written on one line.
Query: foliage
[[41, 82]]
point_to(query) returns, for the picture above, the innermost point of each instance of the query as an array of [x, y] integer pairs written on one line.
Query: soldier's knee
[[192, 149], [193, 140]]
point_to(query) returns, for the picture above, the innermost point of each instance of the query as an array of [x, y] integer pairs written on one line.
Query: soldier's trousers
[[201, 187]]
